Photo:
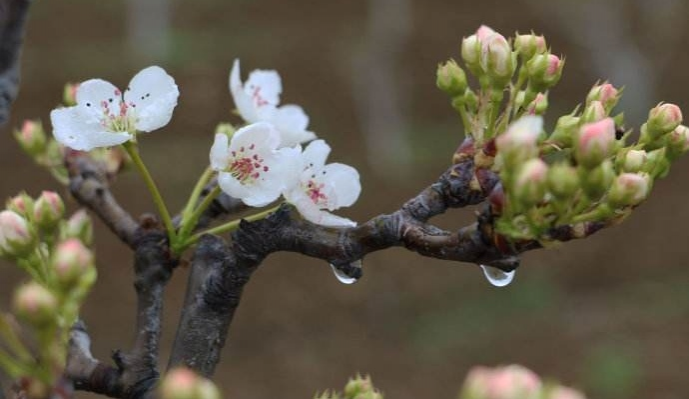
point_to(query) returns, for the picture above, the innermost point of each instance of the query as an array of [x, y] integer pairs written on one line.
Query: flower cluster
[[54, 253], [582, 171]]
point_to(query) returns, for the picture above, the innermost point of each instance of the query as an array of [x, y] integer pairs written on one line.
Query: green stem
[[195, 194], [190, 223], [230, 226], [150, 183]]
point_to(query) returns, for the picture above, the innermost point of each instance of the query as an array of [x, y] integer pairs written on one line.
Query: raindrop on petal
[[497, 277], [342, 277]]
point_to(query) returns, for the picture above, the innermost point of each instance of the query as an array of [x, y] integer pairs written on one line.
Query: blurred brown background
[[609, 314]]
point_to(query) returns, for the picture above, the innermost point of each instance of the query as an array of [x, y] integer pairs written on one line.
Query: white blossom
[[257, 100], [250, 165], [323, 188], [104, 117]]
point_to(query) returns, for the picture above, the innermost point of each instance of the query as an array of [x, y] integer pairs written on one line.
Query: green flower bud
[[633, 160], [21, 204], [595, 142], [48, 210], [566, 128], [35, 304], [596, 181], [520, 142], [531, 182], [79, 226], [31, 137], [539, 105], [594, 112], [529, 45], [663, 119], [563, 181], [544, 71], [471, 52], [16, 238], [677, 142], [629, 189], [606, 93], [657, 165], [71, 260], [225, 128], [451, 79], [497, 59], [69, 94], [358, 385]]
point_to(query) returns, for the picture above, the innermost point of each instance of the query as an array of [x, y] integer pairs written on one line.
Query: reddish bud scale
[[497, 200], [464, 152]]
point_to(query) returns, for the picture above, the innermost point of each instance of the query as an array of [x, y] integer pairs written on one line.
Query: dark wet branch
[[86, 372], [12, 19], [89, 186]]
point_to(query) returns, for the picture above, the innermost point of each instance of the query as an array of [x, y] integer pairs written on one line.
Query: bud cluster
[[358, 387], [581, 171], [512, 382], [54, 252]]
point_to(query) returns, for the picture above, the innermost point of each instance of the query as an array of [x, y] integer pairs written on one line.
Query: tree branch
[[89, 186], [12, 18], [87, 373]]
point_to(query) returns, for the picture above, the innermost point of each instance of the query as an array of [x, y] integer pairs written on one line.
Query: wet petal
[[311, 213], [152, 96], [264, 86], [98, 98], [315, 154], [231, 186], [345, 184], [261, 134], [243, 101]]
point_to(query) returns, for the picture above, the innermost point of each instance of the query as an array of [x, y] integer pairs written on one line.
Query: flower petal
[[311, 213], [315, 154], [261, 134], [232, 186], [77, 131], [292, 121], [152, 96], [220, 153], [98, 98], [345, 184], [264, 87], [242, 100]]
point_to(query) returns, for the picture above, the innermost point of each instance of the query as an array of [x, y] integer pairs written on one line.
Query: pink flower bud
[[48, 210], [561, 392], [182, 383], [606, 93], [531, 181], [520, 141], [484, 32], [634, 160], [510, 382], [663, 119], [22, 204], [31, 137], [594, 112], [70, 261], [529, 45], [544, 71], [629, 189], [595, 143], [539, 105], [451, 79], [677, 142], [471, 51], [35, 304], [80, 226], [563, 181], [15, 235], [496, 58], [69, 95]]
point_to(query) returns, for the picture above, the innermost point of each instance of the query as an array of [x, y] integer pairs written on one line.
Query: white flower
[[257, 101], [250, 167], [322, 188], [103, 117]]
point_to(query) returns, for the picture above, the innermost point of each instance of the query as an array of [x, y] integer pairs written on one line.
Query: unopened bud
[[539, 105], [21, 204], [80, 226], [566, 129], [595, 142], [451, 78], [563, 181], [70, 261], [31, 137], [510, 382], [35, 304], [358, 385], [529, 45], [16, 238], [48, 210], [520, 141], [225, 128], [561, 392], [606, 93], [69, 94], [657, 164], [594, 112], [544, 70], [182, 383], [596, 181], [112, 159], [531, 182], [663, 119], [496, 59], [634, 160], [628, 189], [677, 142], [471, 52]]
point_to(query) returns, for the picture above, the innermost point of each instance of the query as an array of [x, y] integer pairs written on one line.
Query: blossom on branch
[[251, 167], [103, 116], [257, 101], [323, 188]]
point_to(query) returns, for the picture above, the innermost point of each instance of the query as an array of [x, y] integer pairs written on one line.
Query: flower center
[[246, 165], [314, 191], [256, 95], [117, 115]]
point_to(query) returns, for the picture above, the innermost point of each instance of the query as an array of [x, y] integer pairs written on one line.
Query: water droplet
[[345, 278], [497, 277]]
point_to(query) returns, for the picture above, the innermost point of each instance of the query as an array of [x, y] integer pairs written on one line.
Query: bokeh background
[[609, 314]]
